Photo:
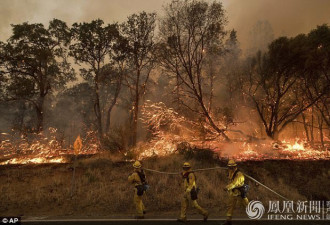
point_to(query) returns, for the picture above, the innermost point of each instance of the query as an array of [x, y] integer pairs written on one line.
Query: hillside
[[102, 188]]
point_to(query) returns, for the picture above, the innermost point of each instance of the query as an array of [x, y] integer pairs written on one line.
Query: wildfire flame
[[169, 130], [42, 149]]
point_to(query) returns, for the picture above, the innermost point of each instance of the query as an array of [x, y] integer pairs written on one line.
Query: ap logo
[[10, 220], [255, 210]]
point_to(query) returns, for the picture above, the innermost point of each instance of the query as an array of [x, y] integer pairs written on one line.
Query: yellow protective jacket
[[190, 183], [236, 181], [135, 179]]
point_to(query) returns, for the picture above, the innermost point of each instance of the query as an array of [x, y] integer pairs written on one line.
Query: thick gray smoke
[[287, 17], [277, 17]]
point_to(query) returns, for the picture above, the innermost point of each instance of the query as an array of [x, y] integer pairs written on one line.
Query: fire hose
[[224, 168]]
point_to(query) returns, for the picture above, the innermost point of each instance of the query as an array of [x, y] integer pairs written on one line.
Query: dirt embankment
[[101, 187]]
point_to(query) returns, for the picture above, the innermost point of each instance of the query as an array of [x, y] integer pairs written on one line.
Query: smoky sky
[[287, 17]]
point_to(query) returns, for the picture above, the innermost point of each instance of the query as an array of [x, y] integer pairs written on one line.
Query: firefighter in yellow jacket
[[138, 179], [236, 190], [190, 194]]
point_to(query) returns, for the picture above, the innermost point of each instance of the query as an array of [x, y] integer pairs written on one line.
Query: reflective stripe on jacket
[[188, 186], [237, 180]]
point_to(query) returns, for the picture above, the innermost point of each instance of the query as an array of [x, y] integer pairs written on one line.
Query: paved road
[[164, 222]]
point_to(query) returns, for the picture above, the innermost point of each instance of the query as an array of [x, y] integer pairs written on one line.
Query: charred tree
[[188, 31], [138, 32]]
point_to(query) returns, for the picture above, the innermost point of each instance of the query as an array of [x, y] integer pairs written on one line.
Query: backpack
[[243, 189], [194, 191], [142, 176], [144, 186]]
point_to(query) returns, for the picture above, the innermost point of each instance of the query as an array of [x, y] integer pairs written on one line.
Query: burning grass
[[170, 131], [40, 148]]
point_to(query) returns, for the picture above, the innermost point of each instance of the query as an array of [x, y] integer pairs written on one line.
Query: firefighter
[[236, 190], [190, 194], [138, 178]]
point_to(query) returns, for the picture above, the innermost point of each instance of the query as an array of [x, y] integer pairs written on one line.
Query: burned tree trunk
[[136, 110], [138, 31], [188, 31], [40, 117], [320, 123], [305, 126], [113, 103], [97, 111]]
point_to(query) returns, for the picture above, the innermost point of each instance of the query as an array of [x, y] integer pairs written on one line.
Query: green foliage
[[91, 44], [34, 63], [99, 47], [289, 78], [138, 32]]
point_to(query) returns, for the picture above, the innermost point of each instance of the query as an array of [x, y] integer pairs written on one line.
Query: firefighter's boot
[[182, 220], [228, 221]]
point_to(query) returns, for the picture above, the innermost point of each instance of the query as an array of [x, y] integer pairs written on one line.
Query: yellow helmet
[[231, 163], [186, 165], [137, 165]]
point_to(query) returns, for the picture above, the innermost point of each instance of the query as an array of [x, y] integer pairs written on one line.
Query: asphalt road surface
[[166, 221]]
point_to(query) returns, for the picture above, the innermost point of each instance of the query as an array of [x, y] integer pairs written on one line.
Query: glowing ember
[[37, 160], [170, 130], [295, 147], [41, 149]]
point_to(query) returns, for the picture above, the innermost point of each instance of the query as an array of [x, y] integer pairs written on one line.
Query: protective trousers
[[185, 203], [232, 202], [138, 204]]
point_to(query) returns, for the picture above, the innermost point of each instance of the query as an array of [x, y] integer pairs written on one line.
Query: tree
[[95, 45], [138, 31], [188, 31], [316, 79], [34, 63], [274, 84], [317, 69]]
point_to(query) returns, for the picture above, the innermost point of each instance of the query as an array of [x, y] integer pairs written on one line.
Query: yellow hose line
[[156, 171], [196, 170], [266, 187], [225, 168]]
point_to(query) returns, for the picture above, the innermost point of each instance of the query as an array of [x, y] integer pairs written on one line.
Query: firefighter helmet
[[231, 163], [186, 165], [137, 165]]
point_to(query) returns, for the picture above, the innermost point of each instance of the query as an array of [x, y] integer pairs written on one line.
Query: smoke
[[286, 17], [70, 11]]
